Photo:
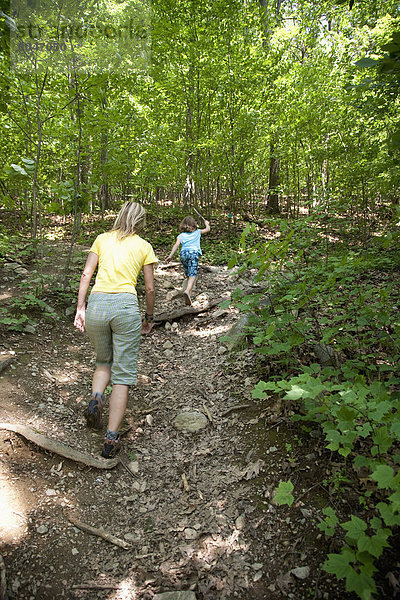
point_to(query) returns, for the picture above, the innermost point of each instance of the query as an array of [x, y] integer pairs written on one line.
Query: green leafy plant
[[283, 493]]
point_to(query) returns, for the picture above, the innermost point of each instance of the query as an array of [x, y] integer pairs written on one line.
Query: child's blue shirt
[[190, 241]]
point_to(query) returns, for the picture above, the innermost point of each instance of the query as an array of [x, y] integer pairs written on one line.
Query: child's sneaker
[[94, 412], [110, 447]]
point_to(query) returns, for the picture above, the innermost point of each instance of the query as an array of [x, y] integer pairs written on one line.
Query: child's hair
[[188, 224], [130, 219]]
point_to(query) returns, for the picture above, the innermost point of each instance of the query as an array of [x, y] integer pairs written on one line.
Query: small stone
[[131, 537], [42, 529], [190, 421], [257, 566], [190, 533], [257, 576], [240, 522], [149, 420], [300, 572], [167, 326], [51, 493], [29, 329], [169, 354], [222, 350], [133, 466], [168, 345], [75, 551], [174, 326]]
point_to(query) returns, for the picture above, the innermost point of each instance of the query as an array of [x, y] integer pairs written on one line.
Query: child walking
[[190, 251]]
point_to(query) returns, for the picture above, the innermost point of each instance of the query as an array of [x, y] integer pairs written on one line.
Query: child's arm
[[174, 249], [207, 227]]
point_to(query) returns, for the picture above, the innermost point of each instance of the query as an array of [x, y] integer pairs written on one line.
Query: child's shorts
[[190, 262]]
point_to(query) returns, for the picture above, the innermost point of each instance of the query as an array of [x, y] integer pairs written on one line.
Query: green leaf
[[283, 493], [259, 390], [366, 63], [360, 583], [384, 476], [339, 564], [355, 527], [19, 169]]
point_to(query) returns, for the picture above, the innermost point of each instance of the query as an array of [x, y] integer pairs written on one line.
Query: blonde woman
[[112, 318]]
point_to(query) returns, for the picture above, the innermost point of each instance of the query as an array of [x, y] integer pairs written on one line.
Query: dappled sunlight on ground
[[127, 590], [13, 511], [211, 330]]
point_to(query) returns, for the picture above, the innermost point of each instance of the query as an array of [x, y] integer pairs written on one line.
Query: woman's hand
[[79, 320]]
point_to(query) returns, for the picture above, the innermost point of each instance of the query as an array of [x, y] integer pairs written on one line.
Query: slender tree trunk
[[273, 200]]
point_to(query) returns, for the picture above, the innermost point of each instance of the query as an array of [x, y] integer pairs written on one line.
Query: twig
[[233, 408], [148, 411], [58, 447], [128, 469], [208, 414], [185, 483], [96, 586], [274, 425], [100, 533], [197, 213], [309, 490]]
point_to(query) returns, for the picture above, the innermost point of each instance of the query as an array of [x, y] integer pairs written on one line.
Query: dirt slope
[[195, 508]]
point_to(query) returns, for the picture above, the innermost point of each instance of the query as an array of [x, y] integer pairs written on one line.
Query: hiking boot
[[94, 412], [110, 447]]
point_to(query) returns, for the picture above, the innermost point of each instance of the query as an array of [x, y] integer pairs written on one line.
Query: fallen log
[[59, 448], [187, 310], [169, 265], [100, 532]]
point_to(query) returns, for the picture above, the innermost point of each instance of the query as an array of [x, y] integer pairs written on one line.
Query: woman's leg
[[118, 403], [101, 377]]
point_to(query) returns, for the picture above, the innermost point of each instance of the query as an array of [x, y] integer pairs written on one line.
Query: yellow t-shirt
[[120, 262]]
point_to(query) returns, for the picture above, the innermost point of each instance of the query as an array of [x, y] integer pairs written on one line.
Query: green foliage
[[283, 493], [343, 301]]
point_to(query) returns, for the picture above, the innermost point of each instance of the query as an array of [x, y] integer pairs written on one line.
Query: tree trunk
[[272, 201]]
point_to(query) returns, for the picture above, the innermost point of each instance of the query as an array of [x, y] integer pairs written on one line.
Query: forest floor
[[195, 509]]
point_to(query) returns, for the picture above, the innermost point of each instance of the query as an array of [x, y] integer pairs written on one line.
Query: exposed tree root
[[59, 448]]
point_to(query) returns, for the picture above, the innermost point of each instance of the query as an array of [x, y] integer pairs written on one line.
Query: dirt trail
[[194, 507]]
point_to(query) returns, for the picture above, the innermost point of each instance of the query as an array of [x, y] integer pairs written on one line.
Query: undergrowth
[[339, 303]]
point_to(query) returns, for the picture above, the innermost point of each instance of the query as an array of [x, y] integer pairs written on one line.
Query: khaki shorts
[[113, 325]]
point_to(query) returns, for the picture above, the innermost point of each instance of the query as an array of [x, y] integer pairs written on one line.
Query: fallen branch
[[59, 448], [233, 408], [168, 265], [188, 310], [99, 532], [96, 586]]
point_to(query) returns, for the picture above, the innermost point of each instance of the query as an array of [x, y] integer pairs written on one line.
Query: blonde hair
[[188, 224], [130, 219]]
